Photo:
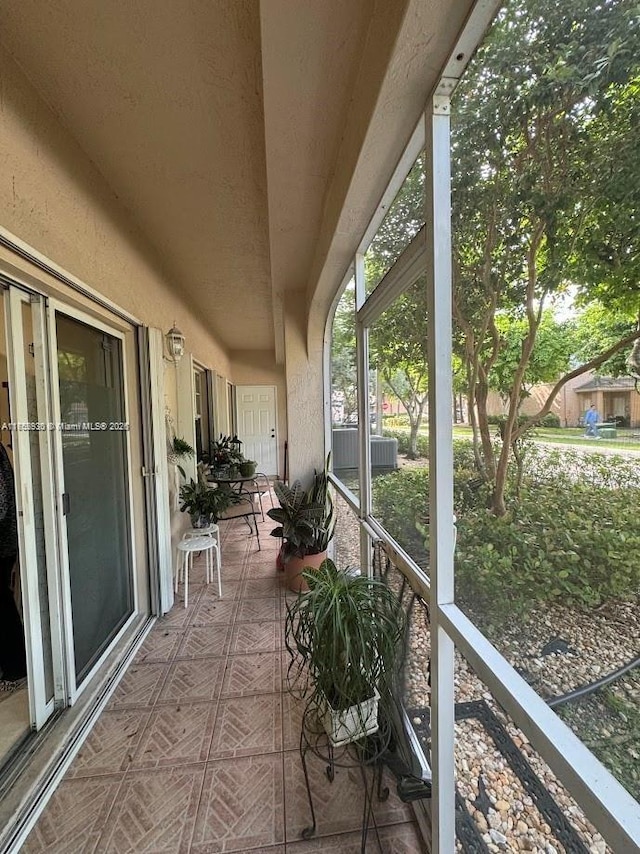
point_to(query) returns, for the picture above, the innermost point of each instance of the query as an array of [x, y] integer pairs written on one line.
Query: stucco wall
[[54, 199], [305, 392]]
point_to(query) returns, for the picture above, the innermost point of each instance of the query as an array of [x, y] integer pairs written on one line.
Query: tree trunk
[[498, 504], [481, 395], [413, 438]]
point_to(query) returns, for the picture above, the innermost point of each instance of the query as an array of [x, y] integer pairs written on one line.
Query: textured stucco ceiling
[[220, 125]]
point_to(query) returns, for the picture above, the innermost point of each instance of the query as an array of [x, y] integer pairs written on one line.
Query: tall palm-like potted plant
[[344, 637]]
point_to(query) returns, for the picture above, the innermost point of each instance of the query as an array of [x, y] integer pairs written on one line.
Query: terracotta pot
[[294, 567]]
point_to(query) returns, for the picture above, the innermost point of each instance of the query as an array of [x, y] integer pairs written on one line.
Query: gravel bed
[[594, 644], [598, 642], [512, 821]]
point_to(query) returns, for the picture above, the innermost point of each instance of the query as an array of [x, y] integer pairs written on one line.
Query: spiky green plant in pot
[[344, 636]]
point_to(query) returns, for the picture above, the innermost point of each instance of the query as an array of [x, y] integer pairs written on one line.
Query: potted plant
[[344, 636], [226, 455], [306, 524], [205, 503], [247, 468]]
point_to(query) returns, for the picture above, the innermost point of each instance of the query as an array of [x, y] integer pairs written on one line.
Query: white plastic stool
[[186, 549], [210, 530]]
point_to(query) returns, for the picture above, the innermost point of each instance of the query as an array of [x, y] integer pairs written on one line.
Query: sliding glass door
[[92, 443]]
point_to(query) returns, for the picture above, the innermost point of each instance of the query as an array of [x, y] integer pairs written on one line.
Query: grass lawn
[[626, 439]]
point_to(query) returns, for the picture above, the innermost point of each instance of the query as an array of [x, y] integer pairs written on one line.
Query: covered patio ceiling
[[249, 142]]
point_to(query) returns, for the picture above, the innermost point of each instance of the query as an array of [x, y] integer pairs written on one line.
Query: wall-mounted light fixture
[[175, 343]]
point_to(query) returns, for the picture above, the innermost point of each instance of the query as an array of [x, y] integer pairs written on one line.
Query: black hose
[[585, 690]]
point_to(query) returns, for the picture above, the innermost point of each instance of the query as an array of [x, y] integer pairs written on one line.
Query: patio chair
[[244, 509], [259, 486]]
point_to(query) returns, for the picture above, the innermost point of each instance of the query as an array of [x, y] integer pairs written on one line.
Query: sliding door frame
[[74, 690]]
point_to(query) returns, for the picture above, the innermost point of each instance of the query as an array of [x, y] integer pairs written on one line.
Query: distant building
[[616, 399]]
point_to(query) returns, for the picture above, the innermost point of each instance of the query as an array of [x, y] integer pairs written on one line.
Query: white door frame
[[40, 707], [73, 689], [156, 468]]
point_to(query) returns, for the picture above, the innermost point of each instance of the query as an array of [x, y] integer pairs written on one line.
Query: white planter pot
[[350, 724]]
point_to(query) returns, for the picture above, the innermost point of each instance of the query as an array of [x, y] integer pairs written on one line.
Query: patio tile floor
[[197, 748]]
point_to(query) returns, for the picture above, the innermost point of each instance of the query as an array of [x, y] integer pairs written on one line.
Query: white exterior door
[[256, 409]]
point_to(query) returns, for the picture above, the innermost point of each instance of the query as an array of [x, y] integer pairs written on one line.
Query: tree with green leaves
[[398, 347], [343, 355], [596, 329], [534, 161], [550, 358]]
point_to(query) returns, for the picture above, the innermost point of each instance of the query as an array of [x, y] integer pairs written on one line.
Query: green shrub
[[573, 535], [401, 499], [581, 546], [402, 435], [550, 420], [395, 421], [463, 457]]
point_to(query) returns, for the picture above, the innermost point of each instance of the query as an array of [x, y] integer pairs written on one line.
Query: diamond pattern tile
[[252, 674], [261, 588], [231, 589], [255, 637], [258, 610], [179, 616], [292, 711], [233, 552], [176, 735], [247, 725], [155, 812], [241, 805], [263, 565], [159, 645], [233, 569], [339, 804], [205, 641], [74, 817], [212, 611], [197, 575], [293, 678], [399, 839], [111, 744], [139, 687], [188, 756], [193, 680]]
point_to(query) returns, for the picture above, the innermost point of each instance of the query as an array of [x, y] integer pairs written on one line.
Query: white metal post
[[364, 458], [441, 527]]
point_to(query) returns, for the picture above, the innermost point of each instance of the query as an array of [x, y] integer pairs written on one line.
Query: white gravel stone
[[498, 838]]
